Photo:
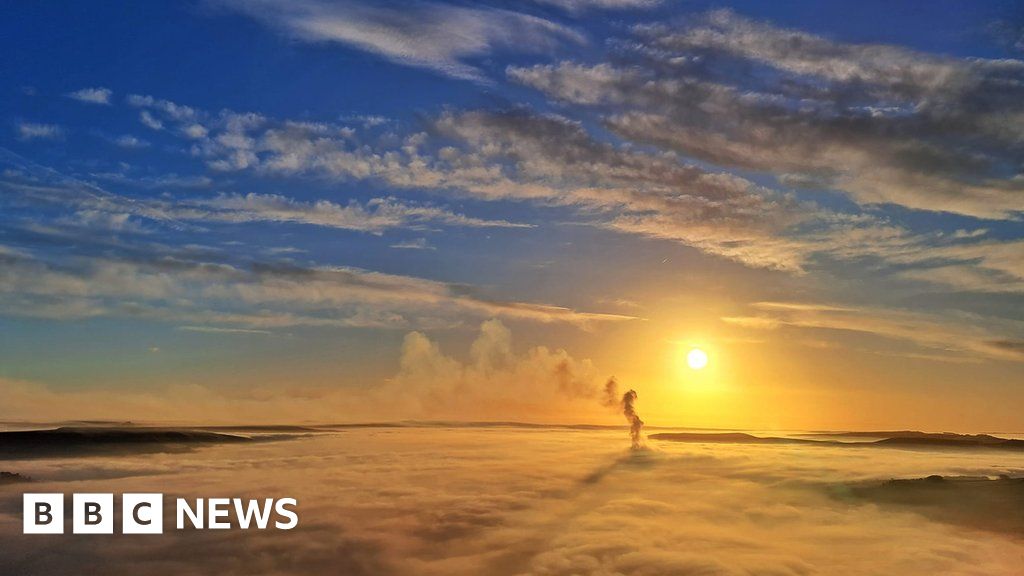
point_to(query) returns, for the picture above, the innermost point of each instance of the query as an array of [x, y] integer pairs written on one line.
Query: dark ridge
[[282, 428], [29, 424], [913, 434], [12, 478], [911, 439], [954, 442], [469, 424], [510, 424], [366, 425], [731, 437], [70, 441], [976, 502]]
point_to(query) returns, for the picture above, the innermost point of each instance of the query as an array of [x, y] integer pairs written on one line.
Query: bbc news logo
[[143, 513]]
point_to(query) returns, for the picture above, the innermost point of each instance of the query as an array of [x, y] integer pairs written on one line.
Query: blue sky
[[228, 194]]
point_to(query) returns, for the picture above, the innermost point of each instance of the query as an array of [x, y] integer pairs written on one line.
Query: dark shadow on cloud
[[980, 503], [584, 496]]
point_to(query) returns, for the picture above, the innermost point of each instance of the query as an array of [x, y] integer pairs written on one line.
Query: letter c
[[135, 514]]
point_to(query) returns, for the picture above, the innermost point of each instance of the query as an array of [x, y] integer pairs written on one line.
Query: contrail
[[93, 191]]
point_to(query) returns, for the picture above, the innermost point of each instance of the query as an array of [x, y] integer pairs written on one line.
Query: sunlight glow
[[697, 359]]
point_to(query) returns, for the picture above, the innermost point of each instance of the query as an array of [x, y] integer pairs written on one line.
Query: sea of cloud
[[486, 500]]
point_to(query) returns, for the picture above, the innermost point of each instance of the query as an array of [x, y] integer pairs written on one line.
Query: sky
[[342, 211]]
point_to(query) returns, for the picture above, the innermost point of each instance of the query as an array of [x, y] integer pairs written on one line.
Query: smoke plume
[[635, 423], [610, 398]]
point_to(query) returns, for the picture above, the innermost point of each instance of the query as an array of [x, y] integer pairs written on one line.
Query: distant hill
[[898, 438], [733, 437], [74, 441]]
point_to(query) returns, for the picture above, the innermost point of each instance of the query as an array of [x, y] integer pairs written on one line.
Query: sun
[[697, 359]]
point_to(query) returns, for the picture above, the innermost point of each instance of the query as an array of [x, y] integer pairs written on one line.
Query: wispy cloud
[[262, 296], [223, 330], [131, 142], [959, 335], [550, 160], [883, 124], [432, 35], [34, 131], [414, 244], [375, 216], [577, 6]]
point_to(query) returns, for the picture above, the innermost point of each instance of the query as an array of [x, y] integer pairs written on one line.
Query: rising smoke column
[[610, 397], [635, 423]]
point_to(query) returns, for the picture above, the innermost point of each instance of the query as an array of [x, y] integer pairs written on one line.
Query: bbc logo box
[[43, 513]]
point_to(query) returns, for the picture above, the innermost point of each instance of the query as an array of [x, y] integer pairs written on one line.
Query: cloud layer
[[501, 501]]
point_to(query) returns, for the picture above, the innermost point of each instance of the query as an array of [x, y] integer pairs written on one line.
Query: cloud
[[263, 296], [414, 244], [375, 216], [958, 336], [552, 161], [495, 382], [150, 121], [524, 156], [175, 111], [417, 34], [222, 330], [34, 131], [162, 181], [880, 123], [92, 96], [972, 266], [578, 6], [130, 142], [547, 502], [546, 160]]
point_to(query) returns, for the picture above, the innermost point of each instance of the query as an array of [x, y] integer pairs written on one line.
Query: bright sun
[[697, 359]]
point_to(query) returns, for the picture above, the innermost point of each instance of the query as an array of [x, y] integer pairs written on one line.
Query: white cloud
[[150, 121], [494, 379], [437, 36], [577, 6], [34, 131], [195, 131], [175, 111], [414, 244], [375, 216], [92, 95], [129, 141]]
